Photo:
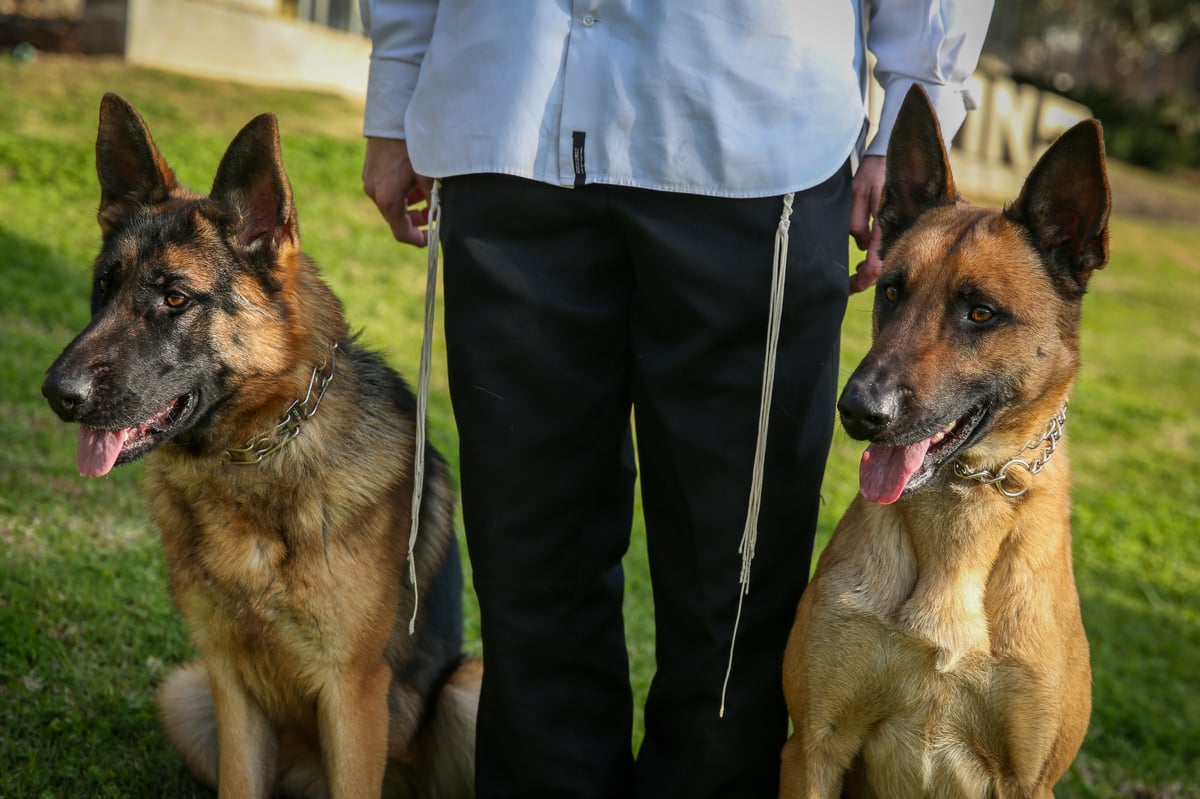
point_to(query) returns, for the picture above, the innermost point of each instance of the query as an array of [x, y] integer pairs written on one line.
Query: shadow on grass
[[45, 303], [86, 621]]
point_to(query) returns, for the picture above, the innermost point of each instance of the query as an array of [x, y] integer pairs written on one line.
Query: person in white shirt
[[613, 174]]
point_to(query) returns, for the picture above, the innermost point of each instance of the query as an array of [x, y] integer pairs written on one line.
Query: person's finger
[[866, 188], [405, 231], [419, 216], [867, 272], [860, 218]]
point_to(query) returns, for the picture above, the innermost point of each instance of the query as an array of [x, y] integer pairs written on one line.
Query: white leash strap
[[435, 212], [750, 533]]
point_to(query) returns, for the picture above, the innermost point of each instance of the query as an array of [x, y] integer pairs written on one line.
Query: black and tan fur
[[208, 322], [939, 650]]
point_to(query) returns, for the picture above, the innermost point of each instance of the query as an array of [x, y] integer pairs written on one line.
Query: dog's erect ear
[[1065, 203], [918, 171], [251, 182], [132, 172]]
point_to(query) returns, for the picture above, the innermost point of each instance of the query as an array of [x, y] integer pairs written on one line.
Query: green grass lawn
[[86, 623]]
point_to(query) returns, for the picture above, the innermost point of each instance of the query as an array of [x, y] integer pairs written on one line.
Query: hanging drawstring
[[435, 212], [750, 533]]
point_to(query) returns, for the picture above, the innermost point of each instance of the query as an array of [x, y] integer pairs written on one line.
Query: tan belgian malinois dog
[[939, 650]]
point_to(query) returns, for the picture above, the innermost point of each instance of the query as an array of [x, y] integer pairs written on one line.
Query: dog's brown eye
[[175, 300], [891, 293], [981, 313], [102, 285]]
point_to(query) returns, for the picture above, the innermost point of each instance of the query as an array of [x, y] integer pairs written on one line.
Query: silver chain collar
[[1051, 437], [288, 426]]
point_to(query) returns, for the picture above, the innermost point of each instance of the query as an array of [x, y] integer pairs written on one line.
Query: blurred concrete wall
[[249, 42]]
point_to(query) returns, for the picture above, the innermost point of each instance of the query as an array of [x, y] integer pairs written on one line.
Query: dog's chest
[[266, 579], [946, 733], [266, 583], [942, 685], [948, 712]]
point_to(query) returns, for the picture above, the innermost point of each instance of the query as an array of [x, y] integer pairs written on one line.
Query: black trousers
[[565, 309]]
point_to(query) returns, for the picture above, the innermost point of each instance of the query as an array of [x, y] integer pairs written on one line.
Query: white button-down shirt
[[730, 98]]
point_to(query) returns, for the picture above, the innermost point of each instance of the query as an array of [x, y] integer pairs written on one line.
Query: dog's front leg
[[802, 776], [246, 740], [353, 717]]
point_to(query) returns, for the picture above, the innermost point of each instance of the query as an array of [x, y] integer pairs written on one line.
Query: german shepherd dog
[[280, 476], [939, 650]]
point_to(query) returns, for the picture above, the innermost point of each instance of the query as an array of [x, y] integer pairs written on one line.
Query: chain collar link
[[1051, 437], [288, 426]]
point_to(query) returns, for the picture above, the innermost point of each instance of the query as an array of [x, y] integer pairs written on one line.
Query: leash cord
[[435, 212], [750, 532]]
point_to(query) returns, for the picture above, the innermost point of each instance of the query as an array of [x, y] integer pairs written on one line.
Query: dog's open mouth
[[101, 450], [887, 472]]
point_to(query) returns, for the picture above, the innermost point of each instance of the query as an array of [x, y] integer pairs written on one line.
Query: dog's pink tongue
[[885, 471], [98, 450]]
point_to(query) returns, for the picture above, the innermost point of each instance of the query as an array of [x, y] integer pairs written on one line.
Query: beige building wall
[[247, 41]]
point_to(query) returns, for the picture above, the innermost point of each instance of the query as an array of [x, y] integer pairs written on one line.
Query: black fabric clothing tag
[[577, 157]]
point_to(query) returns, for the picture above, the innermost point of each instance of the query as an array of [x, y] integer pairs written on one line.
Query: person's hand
[[389, 180], [866, 190]]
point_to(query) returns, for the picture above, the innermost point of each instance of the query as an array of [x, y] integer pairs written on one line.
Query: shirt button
[[588, 20]]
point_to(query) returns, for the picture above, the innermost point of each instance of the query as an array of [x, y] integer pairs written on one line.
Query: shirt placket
[[578, 137]]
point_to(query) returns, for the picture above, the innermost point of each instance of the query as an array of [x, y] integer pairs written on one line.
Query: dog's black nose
[[867, 409], [67, 393]]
